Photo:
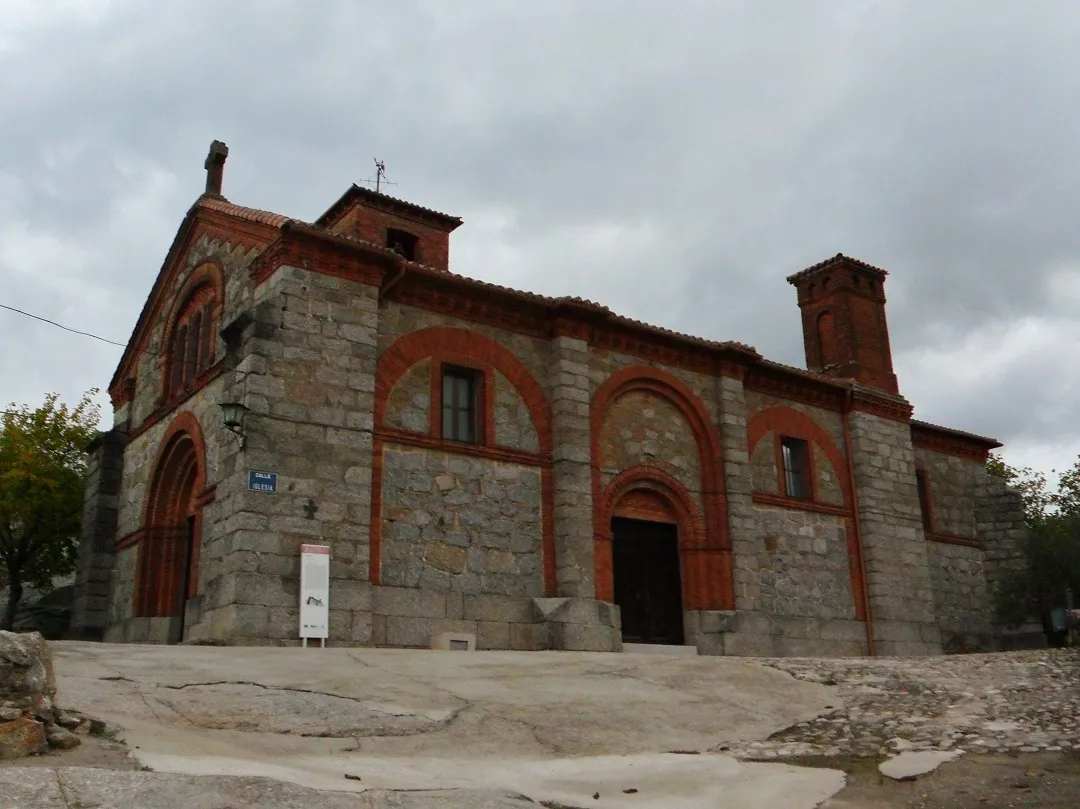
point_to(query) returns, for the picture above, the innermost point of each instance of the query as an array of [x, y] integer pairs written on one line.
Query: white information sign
[[315, 592]]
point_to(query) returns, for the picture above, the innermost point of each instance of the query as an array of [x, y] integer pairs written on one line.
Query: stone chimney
[[215, 167]]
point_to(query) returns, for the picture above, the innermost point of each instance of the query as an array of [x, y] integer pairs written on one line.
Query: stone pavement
[[503, 730], [557, 727], [69, 787], [1016, 701]]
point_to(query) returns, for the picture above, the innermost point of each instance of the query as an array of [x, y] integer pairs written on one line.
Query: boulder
[[61, 738], [22, 737], [30, 720]]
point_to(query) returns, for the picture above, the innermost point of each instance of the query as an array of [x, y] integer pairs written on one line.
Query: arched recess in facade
[[796, 424], [704, 543], [444, 344], [204, 286], [172, 524]]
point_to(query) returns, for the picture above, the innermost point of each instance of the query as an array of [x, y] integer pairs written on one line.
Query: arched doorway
[[168, 555], [647, 585]]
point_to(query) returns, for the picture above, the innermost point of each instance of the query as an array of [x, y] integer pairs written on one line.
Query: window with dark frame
[[795, 453], [402, 242], [924, 498], [459, 406]]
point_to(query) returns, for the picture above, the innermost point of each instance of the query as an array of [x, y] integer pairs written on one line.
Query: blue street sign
[[262, 481]]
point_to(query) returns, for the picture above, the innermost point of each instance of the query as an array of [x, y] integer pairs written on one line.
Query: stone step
[[658, 649]]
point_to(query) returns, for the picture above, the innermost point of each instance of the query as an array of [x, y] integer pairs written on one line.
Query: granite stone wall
[[408, 407], [791, 571], [105, 466], [459, 523], [514, 426], [953, 484], [962, 603], [827, 478], [122, 587], [800, 564], [763, 468], [304, 366], [894, 548], [1002, 528], [641, 427], [568, 376]]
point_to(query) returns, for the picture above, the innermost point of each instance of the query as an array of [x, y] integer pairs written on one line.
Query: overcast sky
[[672, 159]]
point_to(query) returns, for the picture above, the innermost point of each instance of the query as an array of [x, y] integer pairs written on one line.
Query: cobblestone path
[[1026, 701]]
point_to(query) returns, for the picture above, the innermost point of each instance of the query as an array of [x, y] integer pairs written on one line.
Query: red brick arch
[[780, 419], [175, 495], [796, 424], [706, 549], [470, 349], [206, 281], [703, 568]]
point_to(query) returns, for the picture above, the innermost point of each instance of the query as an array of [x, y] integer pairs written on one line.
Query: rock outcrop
[[30, 720]]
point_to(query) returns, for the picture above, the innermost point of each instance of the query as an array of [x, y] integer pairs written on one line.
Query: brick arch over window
[[173, 509], [788, 421], [468, 348], [707, 568], [702, 567], [472, 350], [191, 328]]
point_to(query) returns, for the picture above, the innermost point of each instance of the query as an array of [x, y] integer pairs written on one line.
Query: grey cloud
[[673, 161]]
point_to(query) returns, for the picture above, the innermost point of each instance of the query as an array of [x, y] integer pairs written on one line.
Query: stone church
[[540, 473]]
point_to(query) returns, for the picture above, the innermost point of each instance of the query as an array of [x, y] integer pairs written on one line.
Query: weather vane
[[380, 176]]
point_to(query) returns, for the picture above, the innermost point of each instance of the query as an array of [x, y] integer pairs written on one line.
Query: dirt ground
[[1043, 780], [95, 751]]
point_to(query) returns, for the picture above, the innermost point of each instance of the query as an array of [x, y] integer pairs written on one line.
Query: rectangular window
[[459, 394], [796, 457], [924, 498]]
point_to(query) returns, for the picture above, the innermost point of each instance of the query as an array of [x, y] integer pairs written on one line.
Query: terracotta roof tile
[[838, 259], [991, 442], [250, 214], [355, 191]]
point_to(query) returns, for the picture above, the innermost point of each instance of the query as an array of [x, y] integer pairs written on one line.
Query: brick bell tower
[[843, 314]]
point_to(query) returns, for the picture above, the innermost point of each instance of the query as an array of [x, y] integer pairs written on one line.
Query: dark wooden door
[[177, 627], [648, 587]]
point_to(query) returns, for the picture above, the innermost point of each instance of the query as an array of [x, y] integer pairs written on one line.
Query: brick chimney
[[843, 313], [215, 167]]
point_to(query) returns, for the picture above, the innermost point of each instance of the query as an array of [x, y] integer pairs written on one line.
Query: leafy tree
[[1052, 547], [42, 473]]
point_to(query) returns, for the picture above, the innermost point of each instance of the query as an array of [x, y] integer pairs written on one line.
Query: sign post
[[314, 593]]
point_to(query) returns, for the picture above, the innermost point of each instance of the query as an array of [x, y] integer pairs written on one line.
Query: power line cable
[[151, 352], [61, 326]]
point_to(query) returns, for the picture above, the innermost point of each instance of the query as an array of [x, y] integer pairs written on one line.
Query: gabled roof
[[240, 212], [376, 199], [839, 260], [987, 443], [204, 205]]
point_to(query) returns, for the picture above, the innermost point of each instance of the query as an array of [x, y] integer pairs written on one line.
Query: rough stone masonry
[[539, 473], [30, 720]]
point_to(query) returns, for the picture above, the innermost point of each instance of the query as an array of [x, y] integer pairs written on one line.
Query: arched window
[[191, 349]]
